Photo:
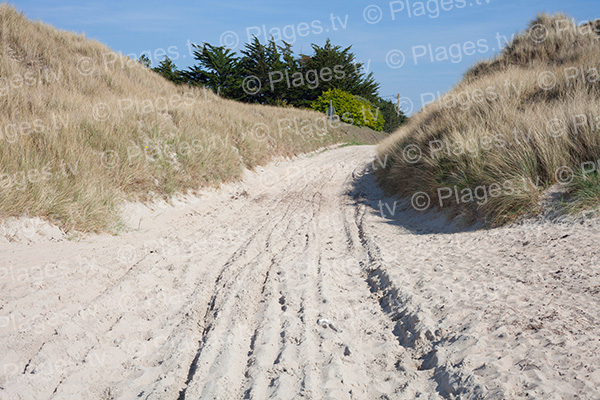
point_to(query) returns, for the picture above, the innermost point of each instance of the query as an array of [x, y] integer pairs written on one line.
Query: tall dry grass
[[526, 121], [83, 128]]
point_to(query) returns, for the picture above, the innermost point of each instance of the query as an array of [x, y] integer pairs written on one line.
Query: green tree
[[261, 64], [254, 65], [348, 74], [393, 117], [217, 69], [168, 69], [145, 61], [294, 95]]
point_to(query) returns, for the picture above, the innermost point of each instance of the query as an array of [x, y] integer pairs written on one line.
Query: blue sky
[[395, 39]]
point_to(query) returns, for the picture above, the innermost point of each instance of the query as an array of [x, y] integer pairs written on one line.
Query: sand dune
[[291, 284]]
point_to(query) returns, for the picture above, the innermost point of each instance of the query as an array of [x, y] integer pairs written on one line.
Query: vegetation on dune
[[84, 128], [516, 126], [273, 74]]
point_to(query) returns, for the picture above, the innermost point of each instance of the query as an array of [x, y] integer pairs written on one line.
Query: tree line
[[272, 74]]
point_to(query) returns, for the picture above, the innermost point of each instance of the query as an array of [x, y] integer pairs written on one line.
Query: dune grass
[[515, 126], [83, 128]]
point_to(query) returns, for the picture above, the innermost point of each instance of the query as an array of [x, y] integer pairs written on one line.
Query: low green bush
[[351, 109]]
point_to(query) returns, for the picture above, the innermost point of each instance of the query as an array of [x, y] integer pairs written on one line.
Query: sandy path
[[291, 284]]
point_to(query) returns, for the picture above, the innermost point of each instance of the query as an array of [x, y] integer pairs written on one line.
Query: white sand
[[292, 285]]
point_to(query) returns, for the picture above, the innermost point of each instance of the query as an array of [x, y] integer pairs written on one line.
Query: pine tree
[[254, 64], [392, 116], [145, 61], [351, 76], [264, 63], [168, 69], [217, 69]]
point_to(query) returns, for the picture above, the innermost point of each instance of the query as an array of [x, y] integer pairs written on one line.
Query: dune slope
[[515, 127], [83, 128]]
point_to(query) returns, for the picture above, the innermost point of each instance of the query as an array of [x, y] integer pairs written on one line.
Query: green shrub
[[351, 109]]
